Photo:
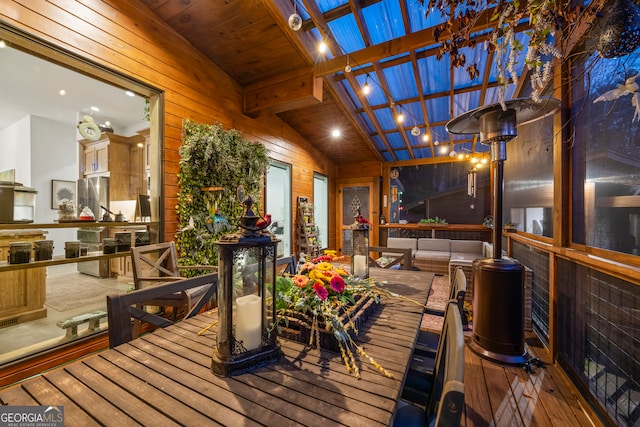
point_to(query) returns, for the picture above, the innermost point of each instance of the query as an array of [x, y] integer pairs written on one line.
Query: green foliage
[[435, 220], [213, 157]]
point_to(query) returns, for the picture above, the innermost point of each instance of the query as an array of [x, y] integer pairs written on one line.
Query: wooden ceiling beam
[[396, 46], [320, 22], [421, 99], [283, 92]]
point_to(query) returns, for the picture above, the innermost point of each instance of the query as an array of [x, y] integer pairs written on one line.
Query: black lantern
[[360, 247], [246, 297]]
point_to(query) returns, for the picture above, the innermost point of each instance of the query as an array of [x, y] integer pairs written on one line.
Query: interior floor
[[69, 293]]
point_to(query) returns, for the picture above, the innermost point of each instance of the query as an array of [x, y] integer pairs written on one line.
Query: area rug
[[64, 294]]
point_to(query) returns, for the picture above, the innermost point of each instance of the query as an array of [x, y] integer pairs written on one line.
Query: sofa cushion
[[465, 256], [467, 246], [402, 242], [439, 245], [432, 255]]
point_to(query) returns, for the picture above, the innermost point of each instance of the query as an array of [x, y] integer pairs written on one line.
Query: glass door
[[278, 204], [354, 198]]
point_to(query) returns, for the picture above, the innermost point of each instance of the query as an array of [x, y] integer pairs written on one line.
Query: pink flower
[[337, 283], [320, 290]]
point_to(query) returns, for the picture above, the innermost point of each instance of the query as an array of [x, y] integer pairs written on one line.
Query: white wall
[[54, 155], [16, 150]]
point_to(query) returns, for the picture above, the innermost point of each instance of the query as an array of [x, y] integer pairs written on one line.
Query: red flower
[[337, 283], [320, 290], [322, 258]]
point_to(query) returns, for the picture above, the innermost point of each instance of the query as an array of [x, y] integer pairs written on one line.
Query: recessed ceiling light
[[129, 93], [336, 133], [3, 44], [96, 109], [62, 92]]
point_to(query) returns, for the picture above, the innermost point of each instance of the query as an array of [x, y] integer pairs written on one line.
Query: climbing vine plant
[[213, 163]]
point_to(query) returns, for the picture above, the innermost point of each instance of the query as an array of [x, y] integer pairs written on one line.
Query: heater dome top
[[526, 110]]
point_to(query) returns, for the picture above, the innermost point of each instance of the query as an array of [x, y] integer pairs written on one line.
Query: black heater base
[[504, 359], [498, 311]]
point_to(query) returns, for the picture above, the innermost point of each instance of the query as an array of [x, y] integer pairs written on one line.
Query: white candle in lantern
[[360, 266], [248, 321]]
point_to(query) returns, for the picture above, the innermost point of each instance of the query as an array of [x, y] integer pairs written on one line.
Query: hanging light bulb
[[415, 131], [400, 116], [425, 137], [366, 89], [322, 47], [436, 143], [295, 21]]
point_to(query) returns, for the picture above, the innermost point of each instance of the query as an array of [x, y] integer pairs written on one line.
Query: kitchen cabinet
[[110, 156], [96, 158]]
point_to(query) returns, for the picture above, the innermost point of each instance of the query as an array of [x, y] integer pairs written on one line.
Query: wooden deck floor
[[499, 395]]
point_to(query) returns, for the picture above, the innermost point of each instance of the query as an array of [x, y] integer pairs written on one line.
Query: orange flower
[[300, 281]]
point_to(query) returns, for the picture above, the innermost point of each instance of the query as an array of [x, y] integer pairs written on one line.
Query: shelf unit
[[23, 286], [307, 230]]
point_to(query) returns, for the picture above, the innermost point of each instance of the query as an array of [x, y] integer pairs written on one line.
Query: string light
[[400, 115], [366, 89]]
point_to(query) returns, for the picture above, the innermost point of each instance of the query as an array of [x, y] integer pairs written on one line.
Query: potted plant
[[509, 227]]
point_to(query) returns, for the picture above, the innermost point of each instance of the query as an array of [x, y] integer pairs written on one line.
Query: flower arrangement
[[327, 294]]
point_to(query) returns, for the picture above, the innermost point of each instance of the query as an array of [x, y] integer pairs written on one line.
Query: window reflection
[[528, 179]]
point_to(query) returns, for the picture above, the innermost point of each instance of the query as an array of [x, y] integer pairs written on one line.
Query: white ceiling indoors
[[31, 86]]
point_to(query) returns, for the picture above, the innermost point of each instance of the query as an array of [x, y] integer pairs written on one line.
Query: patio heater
[[246, 293], [498, 283]]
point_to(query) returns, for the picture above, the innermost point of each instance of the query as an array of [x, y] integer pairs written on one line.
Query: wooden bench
[[71, 325]]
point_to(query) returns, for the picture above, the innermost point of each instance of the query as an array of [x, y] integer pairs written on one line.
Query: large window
[[439, 190], [321, 203], [45, 94], [606, 152]]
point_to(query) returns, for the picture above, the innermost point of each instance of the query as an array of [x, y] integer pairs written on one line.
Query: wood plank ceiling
[[391, 45]]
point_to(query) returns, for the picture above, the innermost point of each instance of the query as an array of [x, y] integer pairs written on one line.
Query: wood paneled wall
[[127, 37]]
